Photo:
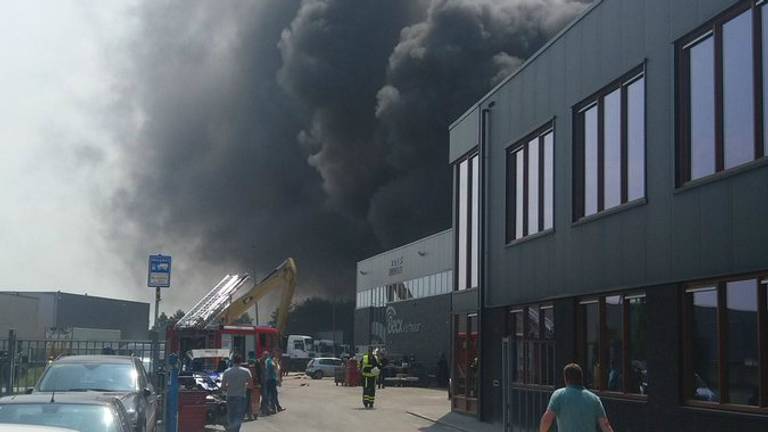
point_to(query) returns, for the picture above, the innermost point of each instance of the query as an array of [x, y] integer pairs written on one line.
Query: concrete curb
[[436, 421]]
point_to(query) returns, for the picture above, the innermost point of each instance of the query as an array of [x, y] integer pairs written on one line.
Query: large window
[[468, 222], [531, 331], [426, 286], [612, 343], [609, 146], [721, 71], [530, 183], [725, 325]]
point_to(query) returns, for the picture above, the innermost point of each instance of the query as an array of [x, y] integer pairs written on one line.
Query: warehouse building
[[63, 315], [403, 300], [611, 199]]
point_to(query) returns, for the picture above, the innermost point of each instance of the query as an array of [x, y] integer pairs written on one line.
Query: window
[[530, 185], [468, 222], [532, 331], [609, 140], [720, 73], [612, 343], [724, 365]]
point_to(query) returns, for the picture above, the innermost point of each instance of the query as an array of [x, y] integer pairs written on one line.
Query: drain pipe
[[483, 247]]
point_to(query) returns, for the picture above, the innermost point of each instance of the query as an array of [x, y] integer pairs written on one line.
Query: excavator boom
[[283, 278]]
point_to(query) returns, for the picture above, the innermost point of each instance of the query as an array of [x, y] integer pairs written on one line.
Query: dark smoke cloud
[[316, 129]]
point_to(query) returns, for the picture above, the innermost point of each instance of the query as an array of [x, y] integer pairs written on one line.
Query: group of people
[[251, 388]]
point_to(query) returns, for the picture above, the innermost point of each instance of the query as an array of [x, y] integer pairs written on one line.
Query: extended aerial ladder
[[216, 314]]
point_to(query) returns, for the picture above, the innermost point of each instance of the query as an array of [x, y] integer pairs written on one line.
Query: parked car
[[115, 376], [55, 412], [321, 367]]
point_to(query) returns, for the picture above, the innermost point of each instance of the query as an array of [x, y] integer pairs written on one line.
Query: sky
[[231, 135], [56, 157]]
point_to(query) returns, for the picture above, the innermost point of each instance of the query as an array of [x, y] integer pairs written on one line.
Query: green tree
[[164, 321]]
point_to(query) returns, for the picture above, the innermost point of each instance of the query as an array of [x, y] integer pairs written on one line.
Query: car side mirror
[[147, 392], [28, 391]]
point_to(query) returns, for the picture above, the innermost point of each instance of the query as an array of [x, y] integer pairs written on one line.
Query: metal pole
[[157, 306], [172, 395], [11, 361], [333, 324]]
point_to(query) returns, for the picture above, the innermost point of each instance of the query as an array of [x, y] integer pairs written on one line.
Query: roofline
[[18, 294], [437, 234], [525, 64], [30, 293]]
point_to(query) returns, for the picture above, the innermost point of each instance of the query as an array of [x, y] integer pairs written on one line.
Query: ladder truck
[[212, 322]]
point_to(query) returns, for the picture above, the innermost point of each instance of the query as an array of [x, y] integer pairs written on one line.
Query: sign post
[[158, 276]]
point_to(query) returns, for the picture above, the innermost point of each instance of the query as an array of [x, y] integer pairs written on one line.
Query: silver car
[[68, 412], [321, 367], [114, 376]]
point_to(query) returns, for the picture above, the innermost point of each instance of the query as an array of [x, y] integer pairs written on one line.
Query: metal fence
[[523, 404], [23, 360]]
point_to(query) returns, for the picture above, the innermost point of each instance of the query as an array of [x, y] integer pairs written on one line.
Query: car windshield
[[83, 418], [118, 377]]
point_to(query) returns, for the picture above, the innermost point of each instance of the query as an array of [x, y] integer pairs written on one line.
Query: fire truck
[[211, 323]]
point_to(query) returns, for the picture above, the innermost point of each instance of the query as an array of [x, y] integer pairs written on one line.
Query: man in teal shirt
[[575, 408]]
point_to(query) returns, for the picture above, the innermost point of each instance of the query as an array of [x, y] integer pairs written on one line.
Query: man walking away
[[369, 378], [575, 408], [235, 381]]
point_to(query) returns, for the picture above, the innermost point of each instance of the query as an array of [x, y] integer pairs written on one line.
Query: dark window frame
[[714, 28], [542, 344], [470, 222], [601, 381], [722, 337], [597, 99], [521, 145]]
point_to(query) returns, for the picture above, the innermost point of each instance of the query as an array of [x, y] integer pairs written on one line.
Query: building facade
[[15, 310], [57, 313], [404, 297], [610, 206]]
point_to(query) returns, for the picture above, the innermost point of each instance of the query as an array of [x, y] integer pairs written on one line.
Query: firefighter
[[369, 368]]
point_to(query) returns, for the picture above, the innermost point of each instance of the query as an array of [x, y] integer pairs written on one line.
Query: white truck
[[299, 350]]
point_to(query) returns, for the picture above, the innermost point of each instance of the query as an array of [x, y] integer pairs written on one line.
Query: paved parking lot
[[319, 405]]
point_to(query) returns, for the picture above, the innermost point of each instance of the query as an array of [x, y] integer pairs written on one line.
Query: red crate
[[193, 412]]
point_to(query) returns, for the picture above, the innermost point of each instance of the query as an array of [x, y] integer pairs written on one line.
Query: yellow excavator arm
[[281, 278]]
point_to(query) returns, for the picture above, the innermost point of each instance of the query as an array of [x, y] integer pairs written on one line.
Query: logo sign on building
[[397, 326], [159, 275], [396, 266]]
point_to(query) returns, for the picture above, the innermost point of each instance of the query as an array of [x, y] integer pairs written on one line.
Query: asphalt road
[[319, 405]]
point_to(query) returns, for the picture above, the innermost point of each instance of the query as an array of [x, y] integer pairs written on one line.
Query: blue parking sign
[[159, 274]]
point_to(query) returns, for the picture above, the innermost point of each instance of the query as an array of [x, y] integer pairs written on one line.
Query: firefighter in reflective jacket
[[369, 377]]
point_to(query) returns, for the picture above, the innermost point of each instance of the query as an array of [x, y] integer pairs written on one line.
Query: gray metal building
[[610, 206], [403, 299], [15, 313], [58, 311]]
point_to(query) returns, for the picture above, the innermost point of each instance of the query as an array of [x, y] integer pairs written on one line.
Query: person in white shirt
[[235, 383]]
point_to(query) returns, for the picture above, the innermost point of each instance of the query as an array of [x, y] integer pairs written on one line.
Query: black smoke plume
[[316, 129]]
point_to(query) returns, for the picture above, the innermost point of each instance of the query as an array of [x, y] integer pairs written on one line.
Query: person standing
[[369, 377], [272, 375], [381, 358], [575, 408], [253, 401], [235, 382]]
